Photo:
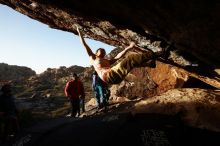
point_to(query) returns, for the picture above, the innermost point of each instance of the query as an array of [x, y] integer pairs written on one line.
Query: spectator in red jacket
[[74, 90]]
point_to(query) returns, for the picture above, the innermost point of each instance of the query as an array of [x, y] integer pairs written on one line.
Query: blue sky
[[27, 42]]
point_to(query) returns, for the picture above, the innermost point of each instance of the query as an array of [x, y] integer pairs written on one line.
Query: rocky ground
[[187, 116], [196, 107]]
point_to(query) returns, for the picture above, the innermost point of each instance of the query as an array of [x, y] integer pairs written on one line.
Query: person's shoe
[[105, 109]]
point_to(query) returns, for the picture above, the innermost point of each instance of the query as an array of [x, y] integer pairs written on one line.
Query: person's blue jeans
[[100, 95]]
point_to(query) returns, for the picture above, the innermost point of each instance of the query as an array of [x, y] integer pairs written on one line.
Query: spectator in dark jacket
[[8, 112], [74, 90]]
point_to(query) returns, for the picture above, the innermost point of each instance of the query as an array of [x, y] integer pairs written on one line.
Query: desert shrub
[[41, 87], [25, 93]]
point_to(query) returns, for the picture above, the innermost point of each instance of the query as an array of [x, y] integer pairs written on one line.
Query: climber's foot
[[150, 63], [165, 53]]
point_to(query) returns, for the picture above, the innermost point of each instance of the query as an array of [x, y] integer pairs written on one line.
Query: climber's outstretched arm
[[88, 49]]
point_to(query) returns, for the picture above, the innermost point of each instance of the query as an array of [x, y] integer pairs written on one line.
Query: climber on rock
[[116, 73]]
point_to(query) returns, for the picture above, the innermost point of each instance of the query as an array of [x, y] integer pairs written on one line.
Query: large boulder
[[196, 107], [147, 82]]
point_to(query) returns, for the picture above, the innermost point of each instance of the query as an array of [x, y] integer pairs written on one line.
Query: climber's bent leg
[[120, 71]]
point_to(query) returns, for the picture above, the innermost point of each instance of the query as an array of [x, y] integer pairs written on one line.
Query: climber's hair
[[102, 50]]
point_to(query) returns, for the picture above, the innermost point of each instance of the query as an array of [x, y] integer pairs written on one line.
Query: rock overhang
[[189, 26]]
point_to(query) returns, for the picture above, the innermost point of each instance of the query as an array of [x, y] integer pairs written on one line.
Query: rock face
[[191, 26], [147, 82], [197, 107]]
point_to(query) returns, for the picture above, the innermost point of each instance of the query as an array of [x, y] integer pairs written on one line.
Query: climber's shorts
[[120, 71]]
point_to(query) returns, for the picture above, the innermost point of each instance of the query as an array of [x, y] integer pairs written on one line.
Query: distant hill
[[14, 72], [26, 83], [49, 83]]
